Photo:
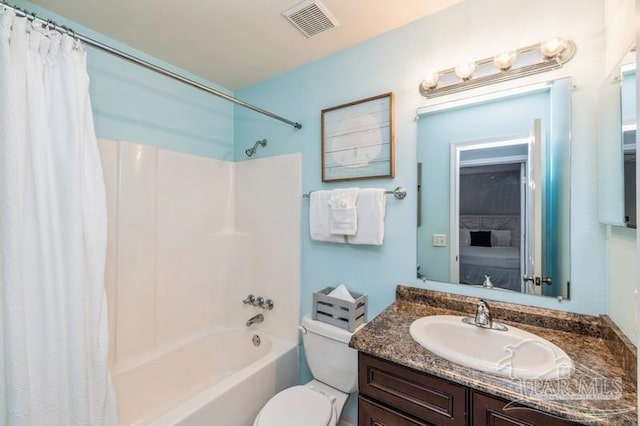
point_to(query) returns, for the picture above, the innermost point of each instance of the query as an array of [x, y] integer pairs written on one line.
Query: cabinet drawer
[[488, 411], [421, 395], [370, 413]]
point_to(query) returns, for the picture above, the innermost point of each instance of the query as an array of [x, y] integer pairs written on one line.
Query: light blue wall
[[300, 95], [134, 104], [393, 62]]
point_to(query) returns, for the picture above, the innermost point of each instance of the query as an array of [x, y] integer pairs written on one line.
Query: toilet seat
[[295, 406]]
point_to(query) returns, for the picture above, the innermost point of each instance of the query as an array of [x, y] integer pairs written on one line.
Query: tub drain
[[256, 340]]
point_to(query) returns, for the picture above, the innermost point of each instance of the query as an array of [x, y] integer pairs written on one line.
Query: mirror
[[617, 145], [494, 193], [628, 113]]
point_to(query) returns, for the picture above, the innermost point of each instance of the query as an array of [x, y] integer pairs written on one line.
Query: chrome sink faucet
[[483, 317], [255, 319]]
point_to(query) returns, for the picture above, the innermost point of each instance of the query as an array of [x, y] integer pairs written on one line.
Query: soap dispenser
[[487, 282]]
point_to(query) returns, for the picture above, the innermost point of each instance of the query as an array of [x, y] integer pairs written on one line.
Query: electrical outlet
[[439, 240]]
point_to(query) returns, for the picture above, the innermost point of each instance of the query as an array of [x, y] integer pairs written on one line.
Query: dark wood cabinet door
[[420, 395], [489, 411], [394, 395], [371, 413]]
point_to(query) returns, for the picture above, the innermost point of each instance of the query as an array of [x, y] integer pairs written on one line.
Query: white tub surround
[[189, 238]]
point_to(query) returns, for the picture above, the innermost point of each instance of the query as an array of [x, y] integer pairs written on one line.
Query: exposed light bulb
[[503, 61], [553, 47], [465, 70], [430, 80]]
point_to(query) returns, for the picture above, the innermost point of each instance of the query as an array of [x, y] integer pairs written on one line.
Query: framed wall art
[[357, 140]]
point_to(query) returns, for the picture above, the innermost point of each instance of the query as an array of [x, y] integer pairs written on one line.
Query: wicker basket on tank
[[338, 312]]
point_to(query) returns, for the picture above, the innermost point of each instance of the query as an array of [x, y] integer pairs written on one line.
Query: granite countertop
[[601, 390]]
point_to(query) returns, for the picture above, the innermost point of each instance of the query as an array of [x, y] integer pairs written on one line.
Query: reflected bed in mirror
[[490, 180], [502, 220]]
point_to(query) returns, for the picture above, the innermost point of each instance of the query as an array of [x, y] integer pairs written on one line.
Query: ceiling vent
[[311, 17]]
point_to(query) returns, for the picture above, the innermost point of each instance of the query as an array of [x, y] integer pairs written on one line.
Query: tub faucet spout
[[255, 319]]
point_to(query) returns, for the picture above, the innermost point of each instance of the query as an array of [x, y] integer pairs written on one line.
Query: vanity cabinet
[[393, 395], [372, 413], [488, 411], [398, 391]]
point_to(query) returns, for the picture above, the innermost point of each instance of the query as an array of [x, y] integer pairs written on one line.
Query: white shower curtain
[[53, 318]]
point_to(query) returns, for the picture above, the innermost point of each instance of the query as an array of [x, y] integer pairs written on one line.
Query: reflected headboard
[[493, 222]]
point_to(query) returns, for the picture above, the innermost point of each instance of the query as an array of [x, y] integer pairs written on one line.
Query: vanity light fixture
[[552, 47], [545, 56], [430, 80], [504, 60], [465, 70]]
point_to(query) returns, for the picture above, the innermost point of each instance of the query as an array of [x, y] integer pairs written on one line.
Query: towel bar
[[400, 193]]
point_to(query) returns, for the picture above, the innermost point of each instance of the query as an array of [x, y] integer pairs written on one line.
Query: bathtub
[[221, 379]]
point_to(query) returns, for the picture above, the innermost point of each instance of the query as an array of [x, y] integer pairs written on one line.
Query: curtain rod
[[106, 48]]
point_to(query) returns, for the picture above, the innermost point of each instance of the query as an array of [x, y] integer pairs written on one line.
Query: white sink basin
[[513, 353]]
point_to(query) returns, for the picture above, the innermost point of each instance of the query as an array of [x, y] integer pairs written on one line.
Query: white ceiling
[[236, 43]]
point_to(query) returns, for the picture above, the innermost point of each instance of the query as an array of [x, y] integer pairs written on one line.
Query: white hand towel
[[319, 218], [343, 217], [370, 205]]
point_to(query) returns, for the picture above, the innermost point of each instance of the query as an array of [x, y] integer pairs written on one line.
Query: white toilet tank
[[329, 356]]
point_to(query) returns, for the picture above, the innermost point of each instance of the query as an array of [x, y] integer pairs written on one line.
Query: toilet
[[334, 366]]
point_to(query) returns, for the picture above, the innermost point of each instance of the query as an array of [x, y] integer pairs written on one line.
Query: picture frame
[[358, 140]]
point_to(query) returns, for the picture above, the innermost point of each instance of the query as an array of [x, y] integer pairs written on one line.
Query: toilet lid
[[295, 406]]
